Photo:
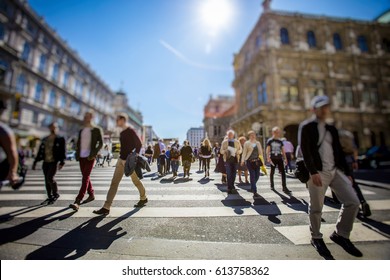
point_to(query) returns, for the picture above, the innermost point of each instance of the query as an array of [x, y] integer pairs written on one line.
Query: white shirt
[[326, 149], [85, 142]]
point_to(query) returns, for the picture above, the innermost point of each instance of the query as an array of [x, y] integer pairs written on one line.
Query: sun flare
[[216, 14]]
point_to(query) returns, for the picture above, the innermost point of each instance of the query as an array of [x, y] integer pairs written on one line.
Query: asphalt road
[[184, 219]]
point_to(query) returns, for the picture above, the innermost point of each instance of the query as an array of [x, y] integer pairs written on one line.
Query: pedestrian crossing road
[[195, 210]]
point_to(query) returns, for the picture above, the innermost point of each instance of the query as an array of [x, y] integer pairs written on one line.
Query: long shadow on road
[[79, 241]]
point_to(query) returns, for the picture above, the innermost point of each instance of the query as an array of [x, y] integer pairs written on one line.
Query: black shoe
[[141, 203], [55, 197], [101, 211], [321, 248], [366, 209], [256, 195], [47, 201], [272, 188], [346, 244], [286, 191]]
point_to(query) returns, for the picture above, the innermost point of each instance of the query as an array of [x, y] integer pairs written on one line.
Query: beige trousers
[[342, 187], [116, 179]]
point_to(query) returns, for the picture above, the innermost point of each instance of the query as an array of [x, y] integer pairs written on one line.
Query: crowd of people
[[328, 164]]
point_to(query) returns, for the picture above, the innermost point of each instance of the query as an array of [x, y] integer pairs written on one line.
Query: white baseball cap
[[320, 101]]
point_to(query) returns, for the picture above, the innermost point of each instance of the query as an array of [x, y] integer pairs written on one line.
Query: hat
[[319, 101]]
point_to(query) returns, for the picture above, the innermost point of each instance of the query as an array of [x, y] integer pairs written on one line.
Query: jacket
[[225, 146], [135, 163], [59, 150], [309, 138], [96, 142], [248, 149]]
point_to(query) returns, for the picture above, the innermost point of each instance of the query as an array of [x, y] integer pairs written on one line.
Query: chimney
[[266, 5]]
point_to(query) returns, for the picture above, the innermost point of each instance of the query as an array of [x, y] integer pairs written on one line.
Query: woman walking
[[231, 149], [206, 151], [242, 167], [186, 157], [220, 167], [251, 156]]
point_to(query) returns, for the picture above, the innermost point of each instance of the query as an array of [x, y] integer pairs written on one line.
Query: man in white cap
[[325, 160]]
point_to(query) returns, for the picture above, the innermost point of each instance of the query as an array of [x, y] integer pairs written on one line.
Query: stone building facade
[[44, 80], [218, 114], [289, 57]]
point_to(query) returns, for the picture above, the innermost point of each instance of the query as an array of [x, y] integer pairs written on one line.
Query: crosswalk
[[177, 198]]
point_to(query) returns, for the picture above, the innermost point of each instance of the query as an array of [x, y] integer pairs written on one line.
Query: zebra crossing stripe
[[300, 235], [273, 209]]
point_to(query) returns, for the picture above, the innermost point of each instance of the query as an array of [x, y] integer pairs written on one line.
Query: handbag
[[301, 172]]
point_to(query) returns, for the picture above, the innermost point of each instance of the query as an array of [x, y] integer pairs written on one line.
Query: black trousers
[[278, 162], [50, 170]]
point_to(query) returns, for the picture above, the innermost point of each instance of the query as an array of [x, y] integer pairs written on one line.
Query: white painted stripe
[[371, 183], [177, 212], [300, 235]]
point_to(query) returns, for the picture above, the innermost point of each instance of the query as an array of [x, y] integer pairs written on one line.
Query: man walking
[[276, 156], [89, 143], [52, 151], [129, 141], [325, 160]]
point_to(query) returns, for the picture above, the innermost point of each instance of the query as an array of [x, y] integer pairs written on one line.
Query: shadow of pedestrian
[[9, 216], [376, 226], [299, 205], [23, 230], [182, 180], [267, 208], [79, 241]]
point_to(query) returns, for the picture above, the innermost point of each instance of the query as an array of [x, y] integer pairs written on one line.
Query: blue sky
[[169, 55]]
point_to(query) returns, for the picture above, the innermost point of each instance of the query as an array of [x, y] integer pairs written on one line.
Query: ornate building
[[289, 57], [43, 79], [218, 114]]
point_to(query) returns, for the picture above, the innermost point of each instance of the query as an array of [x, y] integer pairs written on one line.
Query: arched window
[[362, 43], [284, 38], [20, 84], [311, 39], [26, 51], [386, 45], [338, 44], [2, 31]]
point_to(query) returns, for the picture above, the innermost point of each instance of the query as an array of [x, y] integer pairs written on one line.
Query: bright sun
[[216, 14]]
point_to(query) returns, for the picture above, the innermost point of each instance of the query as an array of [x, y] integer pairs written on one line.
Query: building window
[[338, 44], [20, 84], [52, 98], [344, 94], [38, 92], [66, 80], [386, 45], [56, 69], [2, 31], [315, 88], [42, 63], [311, 39], [259, 41], [262, 94], [249, 101], [26, 52], [370, 94], [48, 120], [289, 90], [75, 107], [61, 123], [284, 38], [362, 43], [35, 117], [63, 101]]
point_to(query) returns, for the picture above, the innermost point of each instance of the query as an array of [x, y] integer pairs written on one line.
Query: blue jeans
[[231, 172], [175, 165], [254, 174]]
